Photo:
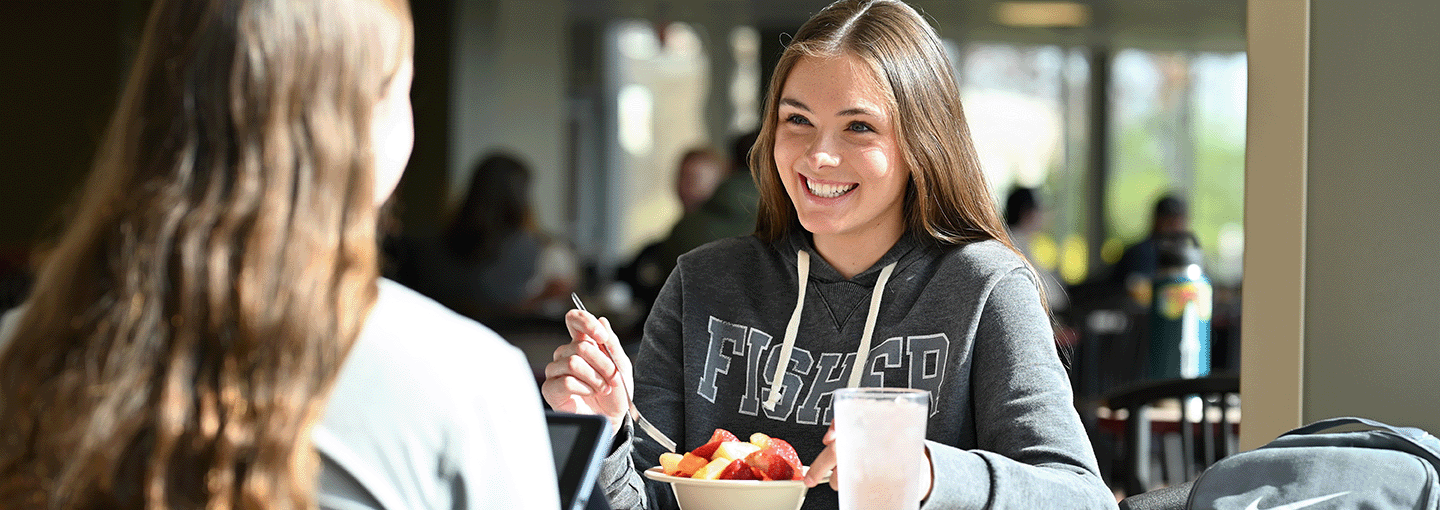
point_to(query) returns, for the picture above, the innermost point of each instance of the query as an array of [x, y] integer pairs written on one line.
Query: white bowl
[[694, 494]]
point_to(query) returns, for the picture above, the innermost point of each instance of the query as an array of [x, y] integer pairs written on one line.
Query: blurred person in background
[[493, 263], [701, 170], [1025, 218], [210, 330], [1136, 267], [730, 211], [727, 212]]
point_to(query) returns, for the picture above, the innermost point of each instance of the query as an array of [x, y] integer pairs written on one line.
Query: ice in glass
[[879, 445]]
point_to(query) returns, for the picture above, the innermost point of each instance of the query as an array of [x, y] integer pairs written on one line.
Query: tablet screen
[[579, 442]]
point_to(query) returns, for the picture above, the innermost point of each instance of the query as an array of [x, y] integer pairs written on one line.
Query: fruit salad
[[726, 457]]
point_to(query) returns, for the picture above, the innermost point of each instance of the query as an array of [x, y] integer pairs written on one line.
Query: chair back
[[1196, 421]]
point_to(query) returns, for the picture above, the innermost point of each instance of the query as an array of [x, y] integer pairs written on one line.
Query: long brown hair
[[947, 199], [186, 327]]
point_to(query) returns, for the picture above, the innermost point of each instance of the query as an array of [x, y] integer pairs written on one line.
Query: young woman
[[877, 226], [219, 280]]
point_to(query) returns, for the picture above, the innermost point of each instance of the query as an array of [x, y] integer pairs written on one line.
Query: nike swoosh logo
[[1255, 505]]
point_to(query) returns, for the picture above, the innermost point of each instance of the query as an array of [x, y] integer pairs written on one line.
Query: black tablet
[[579, 442]]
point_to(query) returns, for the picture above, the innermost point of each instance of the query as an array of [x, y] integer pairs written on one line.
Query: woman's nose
[[823, 153]]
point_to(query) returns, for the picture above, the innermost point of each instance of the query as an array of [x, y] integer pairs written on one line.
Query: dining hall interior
[[1300, 134]]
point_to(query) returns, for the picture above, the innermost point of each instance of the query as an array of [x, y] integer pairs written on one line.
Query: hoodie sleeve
[[1032, 449], [657, 376], [622, 485]]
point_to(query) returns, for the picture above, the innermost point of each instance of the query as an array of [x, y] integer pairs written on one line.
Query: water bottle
[[1180, 310]]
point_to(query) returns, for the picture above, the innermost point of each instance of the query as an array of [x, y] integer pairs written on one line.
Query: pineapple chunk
[[712, 470], [759, 439], [731, 450], [670, 463]]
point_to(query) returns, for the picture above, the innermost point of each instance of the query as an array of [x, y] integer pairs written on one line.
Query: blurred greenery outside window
[[1178, 125], [1027, 108]]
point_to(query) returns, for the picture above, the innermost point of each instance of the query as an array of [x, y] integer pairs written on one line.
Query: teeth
[[828, 190]]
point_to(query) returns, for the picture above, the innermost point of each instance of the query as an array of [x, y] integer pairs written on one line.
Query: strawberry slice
[[707, 450], [785, 451], [717, 438], [770, 465], [738, 470], [722, 435]]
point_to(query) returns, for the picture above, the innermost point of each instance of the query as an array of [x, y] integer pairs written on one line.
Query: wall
[[64, 65], [1372, 341], [1341, 170], [507, 92]]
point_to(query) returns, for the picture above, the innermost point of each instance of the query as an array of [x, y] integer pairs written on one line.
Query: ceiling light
[[1041, 14]]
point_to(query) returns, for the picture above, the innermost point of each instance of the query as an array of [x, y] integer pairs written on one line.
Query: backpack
[[1307, 468]]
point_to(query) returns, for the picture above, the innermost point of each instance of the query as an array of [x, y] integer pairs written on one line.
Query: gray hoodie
[[964, 322]]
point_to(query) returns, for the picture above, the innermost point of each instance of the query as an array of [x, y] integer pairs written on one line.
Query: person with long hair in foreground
[[214, 303], [876, 224]]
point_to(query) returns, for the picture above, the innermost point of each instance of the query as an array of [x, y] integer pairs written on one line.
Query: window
[[1026, 107], [1178, 125], [661, 86]]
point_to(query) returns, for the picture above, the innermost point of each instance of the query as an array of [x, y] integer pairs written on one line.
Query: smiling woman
[[877, 223], [838, 157]]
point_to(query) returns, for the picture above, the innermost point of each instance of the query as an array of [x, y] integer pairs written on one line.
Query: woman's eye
[[798, 119], [861, 127]]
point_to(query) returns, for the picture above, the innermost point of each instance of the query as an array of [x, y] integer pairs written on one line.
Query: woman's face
[[837, 153], [392, 132]]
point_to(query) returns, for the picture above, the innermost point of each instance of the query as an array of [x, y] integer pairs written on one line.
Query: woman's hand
[[824, 465], [582, 378]]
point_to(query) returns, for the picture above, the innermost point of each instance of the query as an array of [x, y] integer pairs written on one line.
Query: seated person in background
[[493, 263], [214, 304], [1024, 218], [1136, 267], [728, 212], [701, 170]]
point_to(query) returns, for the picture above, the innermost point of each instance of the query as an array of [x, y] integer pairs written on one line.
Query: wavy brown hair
[[947, 199], [186, 327]]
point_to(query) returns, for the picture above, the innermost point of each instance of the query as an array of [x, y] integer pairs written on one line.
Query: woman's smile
[[828, 189]]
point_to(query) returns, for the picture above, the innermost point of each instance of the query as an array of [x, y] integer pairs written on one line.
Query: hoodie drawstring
[[862, 354], [802, 267]]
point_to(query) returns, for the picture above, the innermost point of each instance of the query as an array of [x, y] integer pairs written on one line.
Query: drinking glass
[[879, 445]]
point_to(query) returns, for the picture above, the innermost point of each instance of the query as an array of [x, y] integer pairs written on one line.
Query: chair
[[1173, 497], [1173, 409]]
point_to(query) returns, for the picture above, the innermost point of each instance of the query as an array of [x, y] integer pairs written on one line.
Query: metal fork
[[640, 420]]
